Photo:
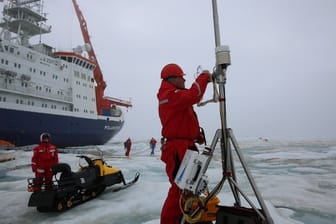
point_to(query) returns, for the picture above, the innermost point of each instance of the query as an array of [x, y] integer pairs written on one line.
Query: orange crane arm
[[98, 75], [102, 102]]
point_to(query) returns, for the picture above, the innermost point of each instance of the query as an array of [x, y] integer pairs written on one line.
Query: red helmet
[[170, 70]]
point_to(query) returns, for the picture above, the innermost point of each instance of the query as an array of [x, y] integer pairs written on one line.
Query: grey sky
[[283, 72]]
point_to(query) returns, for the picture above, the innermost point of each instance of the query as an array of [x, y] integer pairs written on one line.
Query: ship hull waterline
[[24, 128]]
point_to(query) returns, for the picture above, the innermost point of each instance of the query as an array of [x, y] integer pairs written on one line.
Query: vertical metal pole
[[215, 20], [221, 79]]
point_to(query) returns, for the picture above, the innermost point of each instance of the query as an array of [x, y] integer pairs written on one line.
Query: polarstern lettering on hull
[[108, 127]]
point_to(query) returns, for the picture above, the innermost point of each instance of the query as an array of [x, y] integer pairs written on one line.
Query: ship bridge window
[[2, 99], [69, 59], [3, 61], [16, 65], [19, 101]]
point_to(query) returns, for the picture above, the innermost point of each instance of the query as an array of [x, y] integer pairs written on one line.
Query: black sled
[[73, 188]]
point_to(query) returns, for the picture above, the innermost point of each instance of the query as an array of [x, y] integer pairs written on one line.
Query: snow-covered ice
[[296, 179]]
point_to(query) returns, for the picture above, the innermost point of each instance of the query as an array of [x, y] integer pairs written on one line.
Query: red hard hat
[[170, 70]]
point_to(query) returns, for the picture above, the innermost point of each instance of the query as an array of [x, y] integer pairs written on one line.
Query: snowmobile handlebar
[[87, 159]]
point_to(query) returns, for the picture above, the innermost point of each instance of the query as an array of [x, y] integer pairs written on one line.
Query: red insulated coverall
[[180, 127], [44, 157]]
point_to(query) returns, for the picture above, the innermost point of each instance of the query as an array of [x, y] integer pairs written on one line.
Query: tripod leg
[[249, 176]]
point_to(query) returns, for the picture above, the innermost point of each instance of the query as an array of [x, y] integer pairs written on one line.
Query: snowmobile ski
[[128, 184]]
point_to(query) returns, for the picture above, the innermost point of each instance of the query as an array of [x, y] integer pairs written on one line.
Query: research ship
[[46, 90]]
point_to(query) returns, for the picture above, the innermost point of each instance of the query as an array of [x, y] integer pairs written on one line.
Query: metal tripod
[[225, 135]]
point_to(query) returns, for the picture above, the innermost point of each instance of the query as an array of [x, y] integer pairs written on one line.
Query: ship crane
[[103, 103]]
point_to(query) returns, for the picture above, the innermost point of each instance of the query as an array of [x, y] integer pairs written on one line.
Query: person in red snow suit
[[180, 128], [128, 145], [45, 156], [152, 144]]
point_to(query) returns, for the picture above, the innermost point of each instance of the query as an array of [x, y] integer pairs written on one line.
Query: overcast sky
[[281, 83]]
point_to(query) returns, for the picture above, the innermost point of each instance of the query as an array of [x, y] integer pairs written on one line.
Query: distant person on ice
[[152, 144], [45, 156], [180, 128], [128, 144]]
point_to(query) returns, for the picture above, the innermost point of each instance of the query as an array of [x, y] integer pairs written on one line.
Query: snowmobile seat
[[61, 168], [88, 176], [67, 177]]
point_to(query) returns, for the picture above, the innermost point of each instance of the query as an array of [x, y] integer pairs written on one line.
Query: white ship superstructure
[[44, 90]]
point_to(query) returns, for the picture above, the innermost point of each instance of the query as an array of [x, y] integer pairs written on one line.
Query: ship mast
[[102, 102], [25, 19]]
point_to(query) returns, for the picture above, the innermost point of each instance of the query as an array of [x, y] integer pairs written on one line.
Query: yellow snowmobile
[[73, 188]]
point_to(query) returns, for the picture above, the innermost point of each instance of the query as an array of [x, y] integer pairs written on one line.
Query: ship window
[[17, 101], [11, 50], [69, 59]]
